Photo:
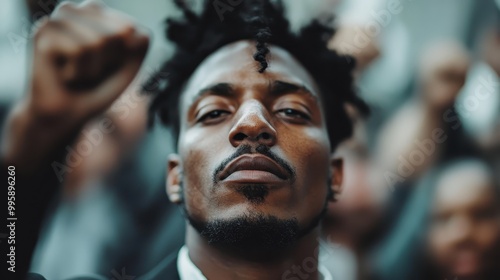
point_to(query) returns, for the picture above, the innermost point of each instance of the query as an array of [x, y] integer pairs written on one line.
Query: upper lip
[[254, 162]]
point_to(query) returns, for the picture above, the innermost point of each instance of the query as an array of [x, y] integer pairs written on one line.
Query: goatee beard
[[252, 234]]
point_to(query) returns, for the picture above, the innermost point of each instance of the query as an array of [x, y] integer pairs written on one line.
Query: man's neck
[[300, 261]]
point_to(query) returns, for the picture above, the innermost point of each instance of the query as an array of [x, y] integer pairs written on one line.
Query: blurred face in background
[[465, 226], [358, 208], [491, 50], [443, 71]]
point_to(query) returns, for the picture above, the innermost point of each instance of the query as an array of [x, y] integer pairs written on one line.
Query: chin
[[249, 231], [251, 210]]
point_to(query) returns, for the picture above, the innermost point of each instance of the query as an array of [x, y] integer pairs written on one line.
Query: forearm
[[103, 50], [31, 141], [28, 149]]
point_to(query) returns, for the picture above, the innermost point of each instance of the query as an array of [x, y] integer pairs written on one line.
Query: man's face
[[443, 71], [465, 229], [251, 143]]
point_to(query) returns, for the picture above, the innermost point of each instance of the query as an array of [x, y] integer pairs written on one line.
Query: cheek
[[309, 151], [199, 152], [488, 234], [437, 243], [199, 157]]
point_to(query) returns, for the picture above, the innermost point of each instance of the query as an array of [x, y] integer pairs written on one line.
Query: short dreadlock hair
[[197, 36]]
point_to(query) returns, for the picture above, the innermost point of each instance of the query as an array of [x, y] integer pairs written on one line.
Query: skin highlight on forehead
[[464, 182], [238, 57], [234, 65]]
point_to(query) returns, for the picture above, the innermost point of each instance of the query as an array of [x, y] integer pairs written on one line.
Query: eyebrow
[[276, 88], [221, 89]]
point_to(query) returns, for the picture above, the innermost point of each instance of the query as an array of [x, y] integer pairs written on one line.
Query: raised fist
[[85, 56]]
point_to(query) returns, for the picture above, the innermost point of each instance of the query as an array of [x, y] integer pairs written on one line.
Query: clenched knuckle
[[143, 40], [39, 32], [93, 4], [126, 30], [65, 7], [98, 44], [77, 52], [44, 44], [44, 47]]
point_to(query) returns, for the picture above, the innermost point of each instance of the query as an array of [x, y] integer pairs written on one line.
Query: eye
[[212, 116], [484, 214], [440, 219], [294, 114]]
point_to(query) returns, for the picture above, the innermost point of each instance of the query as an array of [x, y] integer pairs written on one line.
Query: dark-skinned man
[[256, 112]]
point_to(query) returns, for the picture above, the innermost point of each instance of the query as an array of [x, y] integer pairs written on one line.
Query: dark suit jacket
[[165, 270]]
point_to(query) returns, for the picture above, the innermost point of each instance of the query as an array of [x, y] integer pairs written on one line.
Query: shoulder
[[166, 269], [36, 276]]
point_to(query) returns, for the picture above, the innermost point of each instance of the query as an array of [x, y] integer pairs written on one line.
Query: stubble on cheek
[[311, 155], [197, 185]]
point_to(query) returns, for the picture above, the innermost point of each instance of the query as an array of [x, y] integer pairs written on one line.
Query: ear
[[174, 179], [337, 169]]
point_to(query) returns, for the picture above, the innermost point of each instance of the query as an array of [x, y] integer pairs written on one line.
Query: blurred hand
[[85, 56], [491, 50], [346, 41]]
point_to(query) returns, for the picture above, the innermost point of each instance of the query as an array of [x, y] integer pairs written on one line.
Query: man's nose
[[253, 125], [461, 231]]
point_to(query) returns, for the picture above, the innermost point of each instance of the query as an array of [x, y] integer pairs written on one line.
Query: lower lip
[[466, 266], [253, 176]]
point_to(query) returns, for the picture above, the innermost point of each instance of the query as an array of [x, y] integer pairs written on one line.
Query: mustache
[[261, 149]]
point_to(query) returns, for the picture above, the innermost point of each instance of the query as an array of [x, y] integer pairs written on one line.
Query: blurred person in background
[[345, 43], [112, 209], [76, 225], [422, 134], [354, 36], [352, 225], [49, 121], [442, 73], [450, 228], [479, 102], [115, 195]]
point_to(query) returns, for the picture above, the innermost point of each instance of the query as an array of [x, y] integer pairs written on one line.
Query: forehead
[[234, 64], [444, 57], [464, 184]]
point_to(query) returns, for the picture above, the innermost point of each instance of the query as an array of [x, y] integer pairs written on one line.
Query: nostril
[[239, 137], [265, 136]]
